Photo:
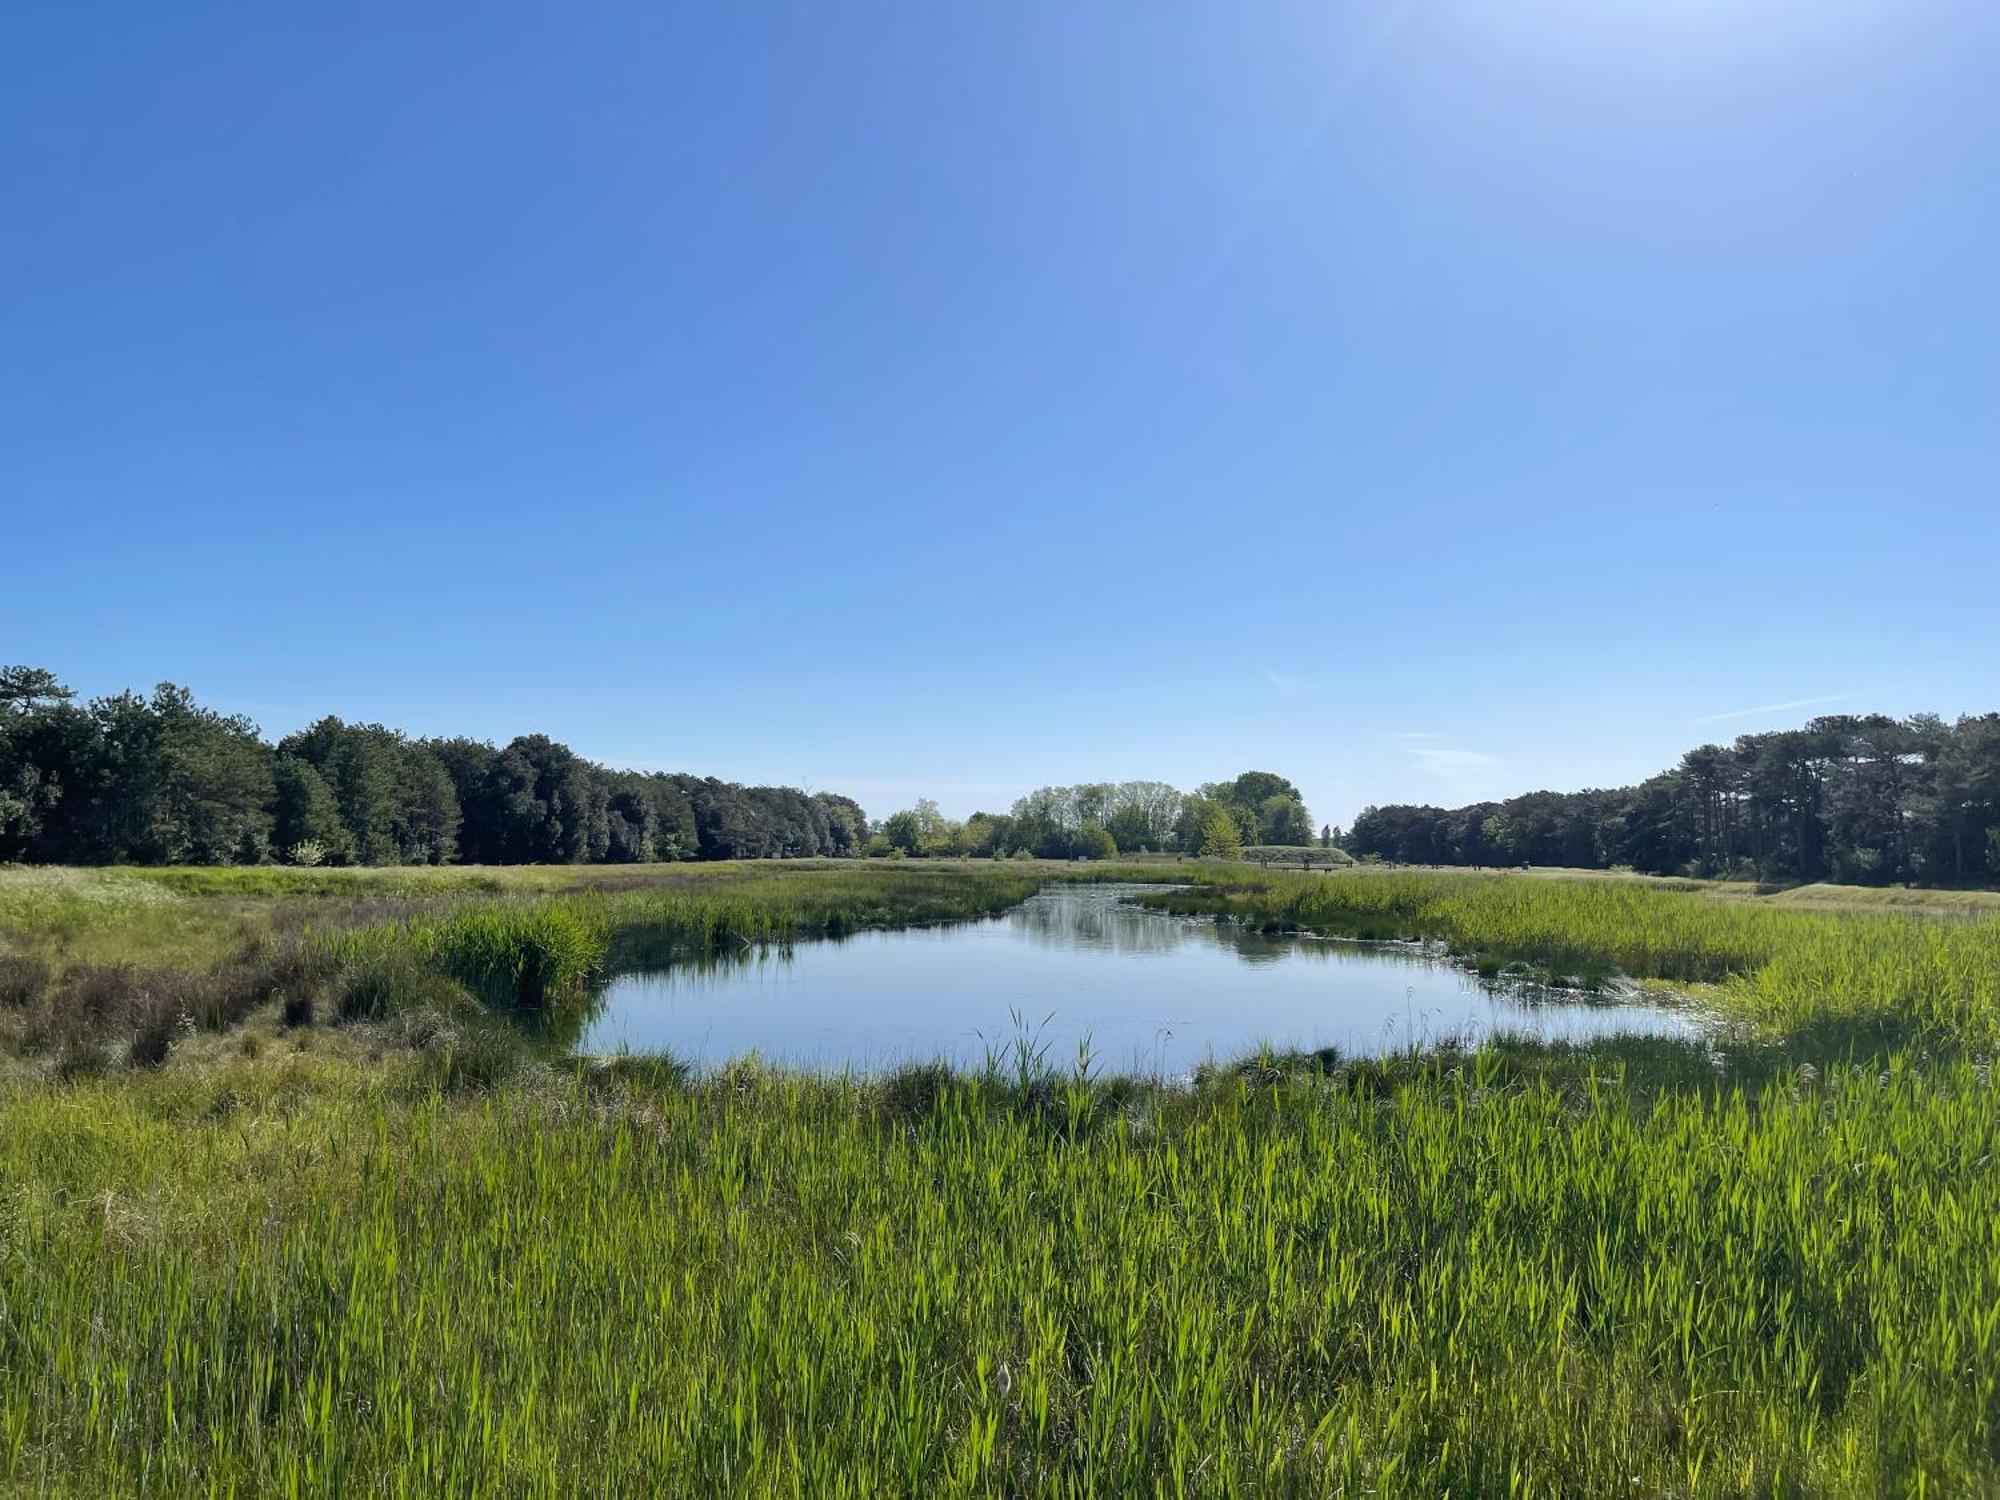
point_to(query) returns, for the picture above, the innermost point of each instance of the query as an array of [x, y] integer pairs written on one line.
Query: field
[[348, 1231]]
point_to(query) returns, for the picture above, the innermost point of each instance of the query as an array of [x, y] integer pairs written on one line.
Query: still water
[[1146, 991]]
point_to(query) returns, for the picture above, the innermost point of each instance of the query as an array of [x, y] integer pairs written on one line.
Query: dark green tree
[[546, 805], [306, 813], [1282, 819], [469, 764], [26, 688], [426, 823]]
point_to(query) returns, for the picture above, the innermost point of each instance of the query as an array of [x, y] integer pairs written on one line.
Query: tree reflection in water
[[1139, 988]]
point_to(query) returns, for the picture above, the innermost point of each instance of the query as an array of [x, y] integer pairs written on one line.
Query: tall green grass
[[409, 1258], [83, 953], [649, 926], [91, 915], [539, 957], [193, 915], [279, 1279]]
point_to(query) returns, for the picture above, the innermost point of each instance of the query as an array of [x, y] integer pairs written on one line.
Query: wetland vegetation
[[297, 1204]]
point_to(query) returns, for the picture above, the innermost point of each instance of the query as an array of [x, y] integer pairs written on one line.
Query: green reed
[[324, 1262], [541, 954], [281, 1279]]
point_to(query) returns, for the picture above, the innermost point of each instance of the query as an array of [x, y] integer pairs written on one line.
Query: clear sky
[[1425, 400]]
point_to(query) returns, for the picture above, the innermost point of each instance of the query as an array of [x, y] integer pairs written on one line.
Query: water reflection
[[1102, 919], [1142, 989]]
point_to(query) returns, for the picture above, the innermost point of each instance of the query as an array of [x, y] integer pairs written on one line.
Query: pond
[[1076, 965]]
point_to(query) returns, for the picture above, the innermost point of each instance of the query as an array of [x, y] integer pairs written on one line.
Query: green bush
[[1094, 841]]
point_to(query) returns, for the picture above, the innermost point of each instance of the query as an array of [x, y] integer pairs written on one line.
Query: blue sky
[[1425, 400]]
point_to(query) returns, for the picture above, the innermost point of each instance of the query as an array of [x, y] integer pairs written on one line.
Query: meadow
[[353, 1233]]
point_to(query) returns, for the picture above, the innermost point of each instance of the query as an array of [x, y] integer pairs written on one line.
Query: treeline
[[1861, 799], [1096, 820], [161, 780]]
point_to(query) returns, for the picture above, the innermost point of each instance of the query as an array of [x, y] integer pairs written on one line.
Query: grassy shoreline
[[1868, 976], [90, 963], [378, 1244]]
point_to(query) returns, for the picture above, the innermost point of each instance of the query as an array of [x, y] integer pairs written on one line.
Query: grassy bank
[[100, 966], [338, 1228], [1869, 974], [191, 916]]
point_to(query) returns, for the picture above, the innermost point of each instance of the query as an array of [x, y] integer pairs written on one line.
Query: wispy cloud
[[1443, 762], [1772, 708], [1289, 686], [1466, 775]]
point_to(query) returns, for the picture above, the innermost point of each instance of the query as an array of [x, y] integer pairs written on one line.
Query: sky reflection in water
[[1147, 991]]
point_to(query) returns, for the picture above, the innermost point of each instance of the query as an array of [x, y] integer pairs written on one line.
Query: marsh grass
[[1778, 970], [244, 1253], [1538, 1274], [97, 956], [527, 959], [191, 916], [1930, 902]]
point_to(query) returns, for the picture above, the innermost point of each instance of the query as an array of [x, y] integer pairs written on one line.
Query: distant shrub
[[306, 853], [1094, 841], [1221, 839]]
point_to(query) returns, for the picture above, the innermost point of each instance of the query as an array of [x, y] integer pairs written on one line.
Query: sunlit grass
[[1955, 903], [411, 1253], [99, 966], [308, 1275], [191, 917], [88, 915]]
